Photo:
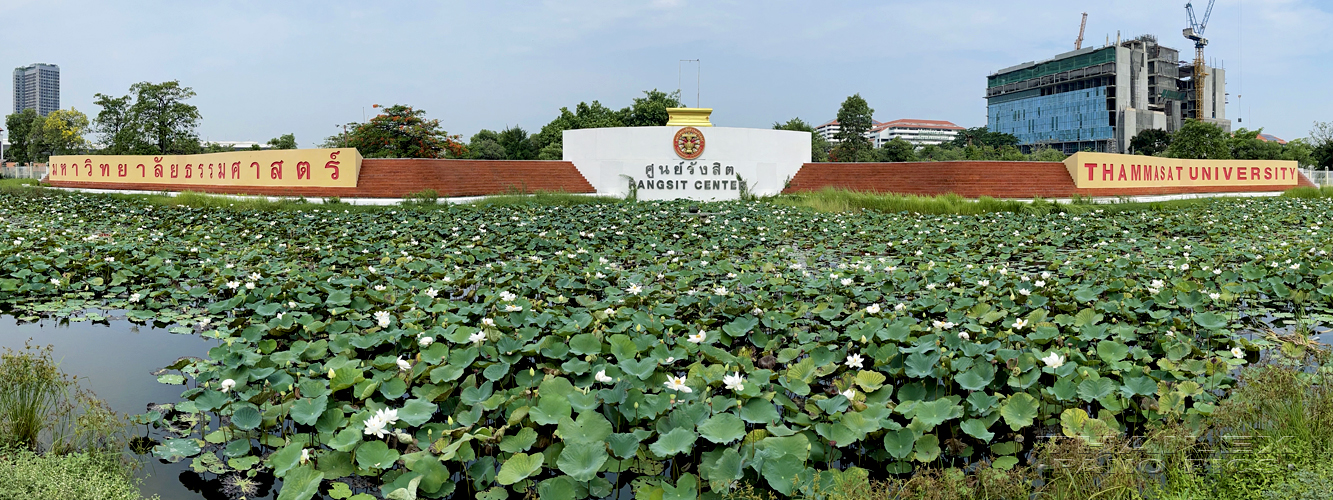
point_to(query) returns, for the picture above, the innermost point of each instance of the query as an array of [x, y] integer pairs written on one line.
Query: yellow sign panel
[[287, 167], [1105, 170]]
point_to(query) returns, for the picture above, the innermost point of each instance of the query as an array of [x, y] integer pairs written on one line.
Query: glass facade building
[[1077, 116], [37, 86]]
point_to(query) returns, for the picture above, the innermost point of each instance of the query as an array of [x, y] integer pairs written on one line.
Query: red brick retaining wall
[[972, 179], [396, 178]]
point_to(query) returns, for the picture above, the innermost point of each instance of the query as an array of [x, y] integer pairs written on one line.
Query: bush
[[25, 475]]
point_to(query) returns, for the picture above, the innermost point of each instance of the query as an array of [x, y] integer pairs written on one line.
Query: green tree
[[1299, 151], [819, 146], [896, 150], [19, 126], [651, 109], [60, 133], [402, 132], [1046, 153], [167, 123], [284, 141], [1246, 145], [121, 133], [1321, 144], [516, 143], [1150, 142], [982, 136], [485, 145], [1200, 140], [855, 118], [550, 140]]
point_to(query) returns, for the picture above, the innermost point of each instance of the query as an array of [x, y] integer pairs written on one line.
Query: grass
[[1309, 192], [30, 476], [30, 398]]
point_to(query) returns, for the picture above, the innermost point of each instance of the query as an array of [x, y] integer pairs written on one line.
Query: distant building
[[37, 87], [830, 130], [1098, 98], [1271, 138], [918, 132], [240, 145]]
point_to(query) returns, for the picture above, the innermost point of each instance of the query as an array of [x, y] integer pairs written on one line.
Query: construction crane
[[1195, 33], [1078, 44]]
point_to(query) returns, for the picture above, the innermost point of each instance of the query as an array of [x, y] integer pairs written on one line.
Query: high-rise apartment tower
[[37, 86]]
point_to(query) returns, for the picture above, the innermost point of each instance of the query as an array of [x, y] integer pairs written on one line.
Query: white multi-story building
[[918, 132]]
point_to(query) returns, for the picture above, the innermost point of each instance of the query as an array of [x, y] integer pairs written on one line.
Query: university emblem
[[689, 143]]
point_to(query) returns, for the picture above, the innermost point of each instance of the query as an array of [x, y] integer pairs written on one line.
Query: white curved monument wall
[[610, 157]]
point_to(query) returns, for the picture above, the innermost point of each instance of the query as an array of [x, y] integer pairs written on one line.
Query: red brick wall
[[972, 179], [396, 178]]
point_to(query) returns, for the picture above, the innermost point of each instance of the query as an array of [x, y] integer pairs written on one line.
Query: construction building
[[1098, 98], [37, 86]]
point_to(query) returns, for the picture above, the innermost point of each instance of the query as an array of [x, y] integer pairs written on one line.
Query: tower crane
[[1078, 44], [1195, 33]]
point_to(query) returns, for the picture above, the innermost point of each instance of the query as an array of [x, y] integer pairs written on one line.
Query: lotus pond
[[642, 348]]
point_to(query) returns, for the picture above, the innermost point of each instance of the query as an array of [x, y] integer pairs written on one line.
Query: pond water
[[114, 360]]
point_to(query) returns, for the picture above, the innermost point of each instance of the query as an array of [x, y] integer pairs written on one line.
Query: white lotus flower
[[403, 365], [678, 384], [478, 337], [432, 292], [426, 341], [610, 312], [944, 325], [1020, 324], [513, 308], [601, 377], [1039, 283], [900, 307], [854, 361], [233, 284], [734, 382], [227, 385], [872, 309], [1237, 352], [371, 269], [634, 289], [305, 455], [376, 427], [847, 281], [110, 259], [720, 290], [1053, 360], [698, 337], [388, 416], [1214, 296], [383, 318], [379, 288], [964, 336], [983, 282], [488, 322], [255, 277], [134, 297], [850, 394], [506, 296], [55, 281], [249, 285]]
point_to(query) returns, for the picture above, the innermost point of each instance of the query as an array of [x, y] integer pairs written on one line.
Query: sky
[[264, 68]]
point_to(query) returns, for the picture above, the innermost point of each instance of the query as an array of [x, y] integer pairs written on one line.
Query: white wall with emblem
[[612, 158]]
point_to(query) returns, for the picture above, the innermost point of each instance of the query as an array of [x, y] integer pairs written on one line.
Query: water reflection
[[114, 359]]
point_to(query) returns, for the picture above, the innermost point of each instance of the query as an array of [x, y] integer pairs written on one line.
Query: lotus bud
[[331, 373], [451, 420], [532, 372]]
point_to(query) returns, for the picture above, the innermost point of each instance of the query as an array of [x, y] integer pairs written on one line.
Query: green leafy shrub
[[30, 476]]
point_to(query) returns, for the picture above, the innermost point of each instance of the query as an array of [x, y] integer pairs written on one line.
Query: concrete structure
[[37, 86], [1098, 98], [917, 132], [613, 158]]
